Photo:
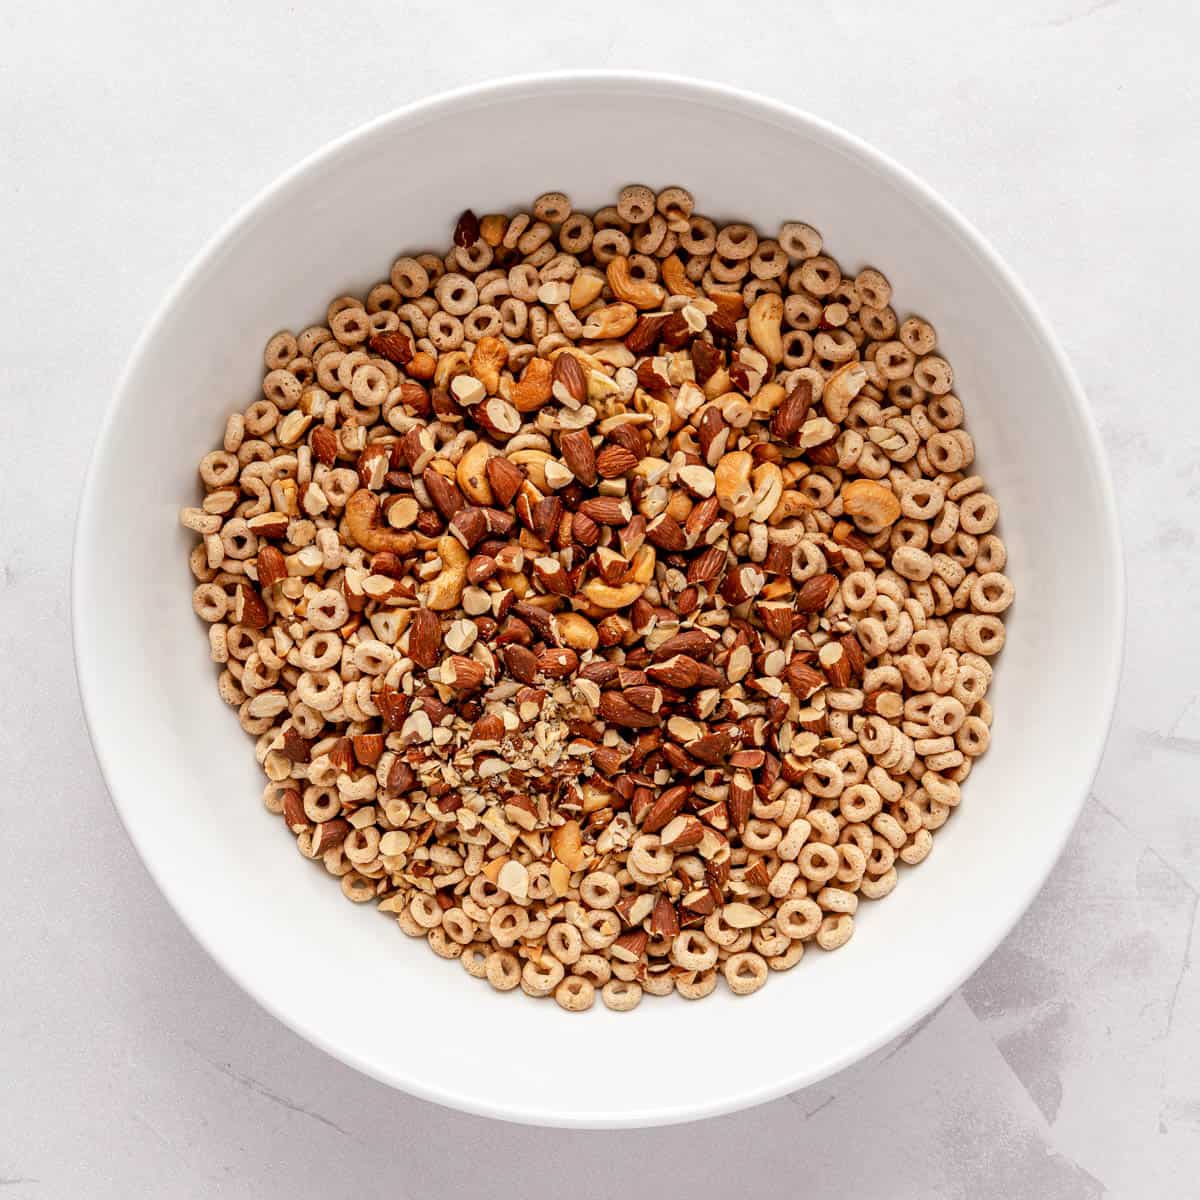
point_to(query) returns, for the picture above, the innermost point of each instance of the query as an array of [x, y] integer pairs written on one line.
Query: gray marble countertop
[[1069, 1066]]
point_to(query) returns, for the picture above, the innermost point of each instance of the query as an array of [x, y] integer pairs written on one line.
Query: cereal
[[611, 598]]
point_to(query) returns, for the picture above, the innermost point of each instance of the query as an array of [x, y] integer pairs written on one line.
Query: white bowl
[[183, 776]]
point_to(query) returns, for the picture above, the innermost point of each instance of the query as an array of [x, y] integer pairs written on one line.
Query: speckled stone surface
[[1069, 1065]]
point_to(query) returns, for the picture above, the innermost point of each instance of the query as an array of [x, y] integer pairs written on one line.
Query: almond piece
[[682, 832], [566, 844], [630, 947], [664, 920], [616, 710], [425, 638], [606, 510], [665, 808], [249, 609], [271, 566], [789, 417], [395, 347], [835, 662], [462, 673], [707, 565], [324, 444], [368, 748], [569, 376]]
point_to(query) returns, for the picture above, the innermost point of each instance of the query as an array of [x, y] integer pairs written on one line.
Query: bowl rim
[[753, 105]]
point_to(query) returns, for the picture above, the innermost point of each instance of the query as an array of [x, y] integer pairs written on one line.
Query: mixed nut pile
[[611, 598]]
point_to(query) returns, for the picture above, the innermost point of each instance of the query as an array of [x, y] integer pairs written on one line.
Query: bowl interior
[[183, 775]]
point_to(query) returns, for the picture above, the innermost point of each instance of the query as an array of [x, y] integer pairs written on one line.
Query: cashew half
[[840, 389], [733, 482], [577, 631], [766, 313], [489, 359], [611, 321], [447, 588], [472, 474]]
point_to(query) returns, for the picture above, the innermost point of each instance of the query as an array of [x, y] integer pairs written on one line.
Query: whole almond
[[613, 461], [606, 510], [521, 662], [791, 414], [578, 455], [557, 663], [425, 638], [446, 497], [816, 592], [505, 478], [695, 643]]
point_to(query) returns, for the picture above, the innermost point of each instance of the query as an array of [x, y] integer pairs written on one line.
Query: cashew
[[449, 365], [363, 524], [766, 313], [472, 477], [873, 506], [606, 597], [768, 488], [767, 399], [674, 275], [534, 462], [791, 504], [644, 560], [489, 359], [840, 389], [447, 588], [733, 482], [641, 293], [611, 321], [577, 631], [535, 387], [585, 287]]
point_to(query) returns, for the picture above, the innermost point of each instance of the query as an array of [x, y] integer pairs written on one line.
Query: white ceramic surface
[[183, 775]]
